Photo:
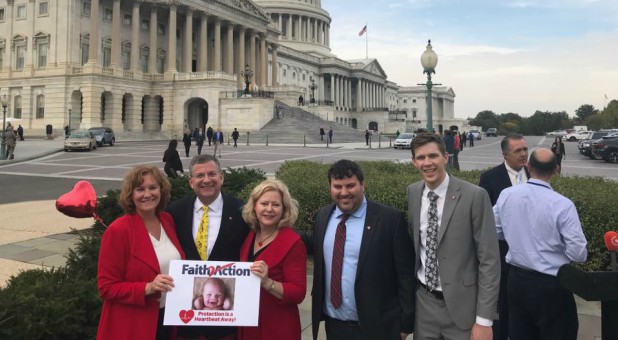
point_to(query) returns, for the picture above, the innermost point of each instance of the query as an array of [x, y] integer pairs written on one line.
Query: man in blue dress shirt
[[543, 232]]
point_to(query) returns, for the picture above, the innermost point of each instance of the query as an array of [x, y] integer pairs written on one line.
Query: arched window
[[17, 107], [40, 106]]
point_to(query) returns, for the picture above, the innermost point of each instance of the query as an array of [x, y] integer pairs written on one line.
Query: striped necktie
[[201, 239], [336, 295]]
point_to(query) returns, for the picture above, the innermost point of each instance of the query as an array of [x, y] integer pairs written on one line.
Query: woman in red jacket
[[134, 260], [279, 259]]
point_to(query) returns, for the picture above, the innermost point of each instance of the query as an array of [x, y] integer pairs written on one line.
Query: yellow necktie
[[201, 241]]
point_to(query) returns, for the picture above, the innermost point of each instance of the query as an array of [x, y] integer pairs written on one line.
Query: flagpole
[[366, 42]]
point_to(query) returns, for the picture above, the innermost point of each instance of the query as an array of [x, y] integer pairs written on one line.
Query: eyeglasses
[[211, 175]]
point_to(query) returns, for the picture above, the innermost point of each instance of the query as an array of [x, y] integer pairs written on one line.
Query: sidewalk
[[44, 237], [35, 148]]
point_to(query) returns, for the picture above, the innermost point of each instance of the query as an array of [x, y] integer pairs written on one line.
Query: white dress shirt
[[513, 174], [165, 251], [215, 213]]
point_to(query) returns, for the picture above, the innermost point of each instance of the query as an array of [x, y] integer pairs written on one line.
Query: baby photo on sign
[[213, 293]]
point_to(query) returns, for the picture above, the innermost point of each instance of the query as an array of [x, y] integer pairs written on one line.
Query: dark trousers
[[501, 326], [187, 147], [209, 140], [235, 141], [539, 308], [342, 330], [199, 147]]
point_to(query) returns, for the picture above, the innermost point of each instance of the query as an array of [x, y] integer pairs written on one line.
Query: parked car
[[491, 132], [80, 140], [476, 134], [585, 145], [556, 133], [606, 148], [104, 135], [579, 135], [404, 140]]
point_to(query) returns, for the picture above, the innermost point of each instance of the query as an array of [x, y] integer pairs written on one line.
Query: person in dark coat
[[66, 131], [330, 135], [367, 134], [209, 134], [558, 149], [172, 160], [322, 133], [20, 132], [199, 140], [235, 136], [186, 139], [449, 141]]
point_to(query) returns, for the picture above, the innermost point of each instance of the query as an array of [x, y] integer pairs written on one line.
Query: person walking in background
[[66, 131], [322, 133], [186, 140], [218, 142], [456, 147], [464, 139], [544, 233], [558, 149], [210, 227], [20, 133], [136, 250], [209, 134], [367, 134], [235, 136], [397, 134], [301, 100], [172, 160], [199, 140], [457, 257], [363, 280], [471, 139], [330, 135], [461, 141], [11, 141], [279, 260], [449, 142]]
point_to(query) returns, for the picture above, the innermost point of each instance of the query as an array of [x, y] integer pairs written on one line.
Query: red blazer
[[127, 262], [286, 258]]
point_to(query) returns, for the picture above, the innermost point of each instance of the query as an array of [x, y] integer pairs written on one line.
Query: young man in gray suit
[[457, 258]]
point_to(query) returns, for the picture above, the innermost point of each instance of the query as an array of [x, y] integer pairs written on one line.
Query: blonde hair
[[290, 205], [135, 178]]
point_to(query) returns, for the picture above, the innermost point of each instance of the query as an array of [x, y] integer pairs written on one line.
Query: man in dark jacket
[[209, 134], [199, 140], [235, 136]]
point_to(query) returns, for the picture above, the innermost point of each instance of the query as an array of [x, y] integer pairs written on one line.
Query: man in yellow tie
[[209, 226]]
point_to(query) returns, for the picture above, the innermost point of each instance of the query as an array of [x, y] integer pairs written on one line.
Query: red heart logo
[[186, 315], [79, 202]]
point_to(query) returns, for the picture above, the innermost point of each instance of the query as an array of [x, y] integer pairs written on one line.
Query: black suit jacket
[[231, 236], [385, 285], [495, 180]]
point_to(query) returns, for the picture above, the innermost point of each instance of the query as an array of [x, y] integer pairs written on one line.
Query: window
[[126, 19], [1, 14], [42, 49], [1, 58], [143, 58], [405, 101], [17, 107], [161, 61], [107, 14], [21, 54], [21, 12], [414, 100], [85, 47], [145, 24], [126, 55], [107, 52], [40, 106], [161, 29], [43, 8], [86, 8]]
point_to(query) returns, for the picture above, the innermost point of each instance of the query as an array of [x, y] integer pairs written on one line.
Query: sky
[[501, 55]]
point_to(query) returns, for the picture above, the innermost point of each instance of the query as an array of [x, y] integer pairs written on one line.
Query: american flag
[[363, 31]]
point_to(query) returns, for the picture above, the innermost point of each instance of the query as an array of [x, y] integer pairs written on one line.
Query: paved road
[[48, 177]]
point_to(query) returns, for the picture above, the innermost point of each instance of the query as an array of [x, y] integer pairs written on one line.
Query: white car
[[557, 133], [404, 140], [579, 135]]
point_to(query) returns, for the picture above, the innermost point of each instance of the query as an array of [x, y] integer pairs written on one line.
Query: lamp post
[[5, 102], [429, 60], [312, 87], [248, 74]]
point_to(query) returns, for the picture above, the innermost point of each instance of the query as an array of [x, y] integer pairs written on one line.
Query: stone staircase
[[295, 125]]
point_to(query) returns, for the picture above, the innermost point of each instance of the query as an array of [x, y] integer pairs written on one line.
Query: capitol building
[[158, 67]]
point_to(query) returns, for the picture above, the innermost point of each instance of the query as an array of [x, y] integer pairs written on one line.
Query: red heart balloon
[[80, 202], [186, 315]]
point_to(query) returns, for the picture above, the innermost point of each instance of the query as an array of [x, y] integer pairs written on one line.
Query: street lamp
[[429, 60], [248, 74], [312, 87], [5, 102]]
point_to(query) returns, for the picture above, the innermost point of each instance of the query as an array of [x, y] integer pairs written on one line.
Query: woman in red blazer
[[134, 260], [279, 259]]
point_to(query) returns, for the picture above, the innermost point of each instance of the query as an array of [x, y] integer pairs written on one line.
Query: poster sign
[[212, 293]]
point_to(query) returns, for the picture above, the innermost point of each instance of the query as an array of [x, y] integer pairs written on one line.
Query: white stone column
[[358, 95], [217, 44], [133, 119], [280, 22], [275, 66], [315, 31], [241, 56], [328, 35], [264, 59], [171, 47], [349, 94], [229, 57], [188, 44], [135, 50], [288, 25], [333, 78], [116, 38], [152, 43], [202, 64], [321, 90], [93, 44], [252, 54]]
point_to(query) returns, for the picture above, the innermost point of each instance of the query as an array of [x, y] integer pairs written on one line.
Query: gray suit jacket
[[468, 257]]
